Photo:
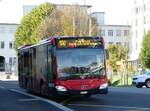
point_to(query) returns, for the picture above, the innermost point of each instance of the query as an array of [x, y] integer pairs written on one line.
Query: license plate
[[83, 92]]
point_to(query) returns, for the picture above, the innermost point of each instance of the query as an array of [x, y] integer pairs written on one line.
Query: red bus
[[64, 66]]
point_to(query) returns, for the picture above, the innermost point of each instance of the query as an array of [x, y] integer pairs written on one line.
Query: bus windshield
[[80, 63]]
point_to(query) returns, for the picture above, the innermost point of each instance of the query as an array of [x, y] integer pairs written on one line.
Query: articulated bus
[[64, 66]]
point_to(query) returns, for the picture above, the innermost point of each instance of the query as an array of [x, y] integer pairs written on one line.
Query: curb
[[61, 107], [8, 78]]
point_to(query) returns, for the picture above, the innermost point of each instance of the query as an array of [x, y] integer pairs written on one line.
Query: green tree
[[26, 32], [116, 53], [145, 51], [131, 69]]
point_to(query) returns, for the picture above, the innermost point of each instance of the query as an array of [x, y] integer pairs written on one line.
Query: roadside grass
[[120, 81]]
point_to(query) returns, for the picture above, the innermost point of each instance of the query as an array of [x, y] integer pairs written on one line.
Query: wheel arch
[[147, 79]]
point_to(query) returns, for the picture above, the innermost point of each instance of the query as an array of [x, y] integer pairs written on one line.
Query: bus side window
[[34, 62], [49, 62], [30, 61], [41, 60], [26, 63]]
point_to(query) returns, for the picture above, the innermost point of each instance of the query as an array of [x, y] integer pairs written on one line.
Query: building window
[[10, 45], [144, 20], [118, 43], [126, 44], [14, 61], [126, 32], [136, 46], [110, 43], [118, 32], [10, 60], [136, 34], [102, 32], [144, 7], [2, 44], [110, 32], [136, 10], [136, 22]]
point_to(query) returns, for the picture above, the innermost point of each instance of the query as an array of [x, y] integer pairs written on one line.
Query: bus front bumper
[[84, 92]]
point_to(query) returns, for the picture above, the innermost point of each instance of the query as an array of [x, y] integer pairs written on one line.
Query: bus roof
[[48, 40]]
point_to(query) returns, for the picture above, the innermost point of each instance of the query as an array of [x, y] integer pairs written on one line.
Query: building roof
[[115, 25], [97, 12], [9, 24]]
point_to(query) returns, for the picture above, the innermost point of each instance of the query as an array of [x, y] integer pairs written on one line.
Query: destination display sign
[[78, 42]]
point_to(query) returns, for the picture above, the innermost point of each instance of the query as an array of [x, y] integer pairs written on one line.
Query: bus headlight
[[61, 88], [103, 86]]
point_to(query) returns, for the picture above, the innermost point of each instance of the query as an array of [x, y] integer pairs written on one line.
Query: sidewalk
[[7, 77], [50, 105]]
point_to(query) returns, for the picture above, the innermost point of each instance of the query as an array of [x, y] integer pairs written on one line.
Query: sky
[[117, 12]]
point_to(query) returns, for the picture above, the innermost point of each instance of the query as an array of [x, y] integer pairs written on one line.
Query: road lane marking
[[26, 100], [137, 109], [67, 100], [110, 106], [63, 108], [2, 87]]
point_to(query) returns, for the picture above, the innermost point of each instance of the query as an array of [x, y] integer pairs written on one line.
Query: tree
[[116, 53], [26, 32], [131, 69], [145, 51], [68, 21], [94, 26]]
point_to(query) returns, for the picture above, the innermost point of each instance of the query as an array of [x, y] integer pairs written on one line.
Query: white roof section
[[39, 43], [134, 56]]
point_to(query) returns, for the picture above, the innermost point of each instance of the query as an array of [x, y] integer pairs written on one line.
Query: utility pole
[[73, 26], [73, 21], [90, 25]]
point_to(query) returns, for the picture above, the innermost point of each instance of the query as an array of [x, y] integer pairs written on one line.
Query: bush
[[115, 83]]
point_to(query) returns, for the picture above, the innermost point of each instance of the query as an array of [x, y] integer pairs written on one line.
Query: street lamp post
[[73, 26], [90, 25]]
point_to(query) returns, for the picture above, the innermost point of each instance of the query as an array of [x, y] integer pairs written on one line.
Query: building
[[100, 17], [140, 25], [116, 34], [8, 55], [113, 34]]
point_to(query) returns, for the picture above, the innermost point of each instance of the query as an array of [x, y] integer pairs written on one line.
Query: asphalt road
[[118, 99], [13, 98]]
